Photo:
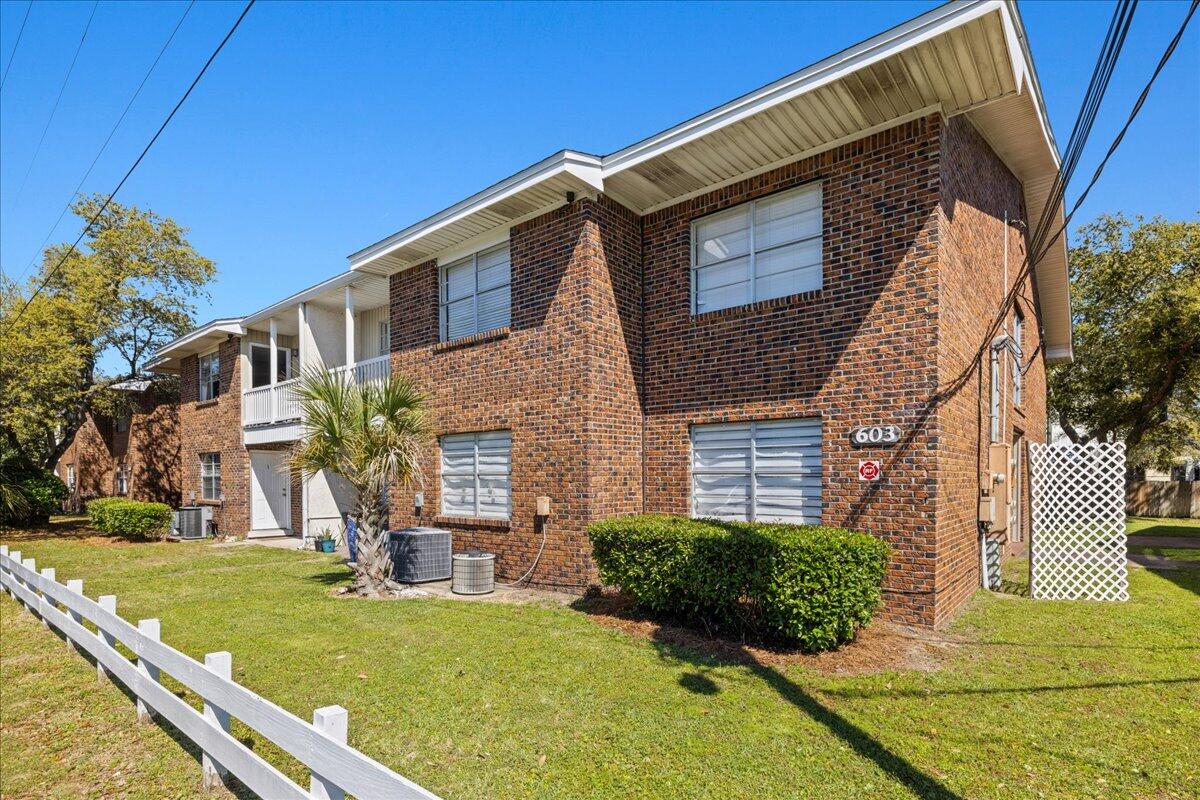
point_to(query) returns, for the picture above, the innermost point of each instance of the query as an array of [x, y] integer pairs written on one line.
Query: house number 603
[[878, 435]]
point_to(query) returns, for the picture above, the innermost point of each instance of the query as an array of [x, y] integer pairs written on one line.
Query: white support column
[[220, 664], [302, 336], [333, 722], [151, 629], [349, 331], [109, 603], [272, 379]]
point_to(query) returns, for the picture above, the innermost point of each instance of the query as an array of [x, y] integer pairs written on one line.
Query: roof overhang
[[529, 192], [969, 58], [196, 341]]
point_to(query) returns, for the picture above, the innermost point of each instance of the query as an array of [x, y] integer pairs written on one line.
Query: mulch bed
[[880, 646]]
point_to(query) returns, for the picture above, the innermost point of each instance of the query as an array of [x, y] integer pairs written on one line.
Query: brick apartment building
[[698, 324], [135, 454]]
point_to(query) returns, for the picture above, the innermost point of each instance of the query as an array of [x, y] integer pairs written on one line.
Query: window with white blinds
[[758, 471], [475, 293], [759, 250], [477, 474]]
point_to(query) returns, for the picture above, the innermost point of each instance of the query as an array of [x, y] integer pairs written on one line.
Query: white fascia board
[[580, 165], [303, 296], [884, 45], [1014, 29], [230, 325]]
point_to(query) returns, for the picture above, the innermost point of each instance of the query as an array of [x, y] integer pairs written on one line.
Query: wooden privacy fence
[[336, 767], [1163, 499]]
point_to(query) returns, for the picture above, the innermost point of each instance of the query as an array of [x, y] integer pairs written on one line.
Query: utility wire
[[70, 251], [111, 133], [37, 150], [16, 44]]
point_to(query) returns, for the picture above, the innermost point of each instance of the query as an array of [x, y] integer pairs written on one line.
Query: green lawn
[[1161, 526], [1176, 553], [1030, 699]]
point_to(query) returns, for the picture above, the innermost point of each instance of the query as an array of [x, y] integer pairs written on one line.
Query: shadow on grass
[[56, 528], [1066, 687], [330, 578]]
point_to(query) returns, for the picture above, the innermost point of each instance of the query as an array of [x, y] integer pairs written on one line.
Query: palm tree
[[371, 435]]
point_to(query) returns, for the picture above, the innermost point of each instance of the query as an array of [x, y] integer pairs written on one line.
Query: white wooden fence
[[336, 767]]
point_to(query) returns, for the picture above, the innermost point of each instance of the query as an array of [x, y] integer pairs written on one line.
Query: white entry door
[[270, 491]]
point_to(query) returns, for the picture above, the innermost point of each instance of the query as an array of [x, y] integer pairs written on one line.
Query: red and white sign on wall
[[869, 469]]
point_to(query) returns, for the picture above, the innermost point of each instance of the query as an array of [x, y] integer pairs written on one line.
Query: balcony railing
[[273, 404], [372, 370], [268, 404]]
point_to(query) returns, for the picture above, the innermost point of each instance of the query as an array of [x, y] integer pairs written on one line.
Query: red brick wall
[[149, 450], [858, 351], [560, 378], [216, 426], [977, 190]]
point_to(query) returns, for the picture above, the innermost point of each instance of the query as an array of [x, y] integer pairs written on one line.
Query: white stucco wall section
[[325, 337], [328, 497]]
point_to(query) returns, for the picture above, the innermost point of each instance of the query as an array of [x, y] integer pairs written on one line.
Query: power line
[[53, 270], [16, 44], [37, 150], [111, 133]]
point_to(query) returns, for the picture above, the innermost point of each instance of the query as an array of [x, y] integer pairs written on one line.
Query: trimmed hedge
[[118, 516], [808, 585]]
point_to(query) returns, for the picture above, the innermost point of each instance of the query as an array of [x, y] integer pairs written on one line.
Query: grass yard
[[1027, 699], [1161, 526], [1175, 553]]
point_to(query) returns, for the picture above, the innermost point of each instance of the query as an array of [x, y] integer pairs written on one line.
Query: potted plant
[[324, 541]]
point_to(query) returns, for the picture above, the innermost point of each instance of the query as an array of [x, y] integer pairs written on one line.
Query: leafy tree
[[1135, 292], [127, 290], [371, 435]]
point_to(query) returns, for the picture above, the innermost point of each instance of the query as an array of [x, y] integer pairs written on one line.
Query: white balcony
[[269, 405], [373, 370]]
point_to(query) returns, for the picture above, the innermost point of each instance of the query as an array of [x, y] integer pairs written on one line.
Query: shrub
[[808, 585], [118, 516], [30, 494]]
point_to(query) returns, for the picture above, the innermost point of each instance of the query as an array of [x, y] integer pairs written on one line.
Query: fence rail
[[321, 746]]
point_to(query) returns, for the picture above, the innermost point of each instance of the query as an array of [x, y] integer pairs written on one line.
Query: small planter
[[325, 545]]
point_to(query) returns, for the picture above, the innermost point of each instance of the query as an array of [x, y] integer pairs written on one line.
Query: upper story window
[[1018, 344], [759, 250], [210, 476], [385, 338], [260, 365], [210, 376], [477, 474], [474, 293]]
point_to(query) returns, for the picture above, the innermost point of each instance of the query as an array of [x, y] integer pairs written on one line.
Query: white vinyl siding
[[475, 293], [210, 376], [758, 471], [210, 476], [477, 475], [760, 250]]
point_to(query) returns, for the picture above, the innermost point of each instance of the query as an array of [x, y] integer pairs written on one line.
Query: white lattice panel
[[1077, 547]]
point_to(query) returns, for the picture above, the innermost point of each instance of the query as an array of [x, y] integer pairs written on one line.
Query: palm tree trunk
[[374, 567]]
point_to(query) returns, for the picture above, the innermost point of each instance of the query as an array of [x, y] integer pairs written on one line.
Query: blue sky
[[323, 128]]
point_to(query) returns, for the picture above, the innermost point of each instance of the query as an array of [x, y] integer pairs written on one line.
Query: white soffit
[[541, 186], [198, 340]]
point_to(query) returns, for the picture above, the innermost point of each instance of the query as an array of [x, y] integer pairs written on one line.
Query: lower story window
[[758, 471], [477, 474], [122, 480], [210, 476]]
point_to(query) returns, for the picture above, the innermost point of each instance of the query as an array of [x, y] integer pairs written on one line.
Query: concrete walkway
[[1181, 542], [1162, 562]]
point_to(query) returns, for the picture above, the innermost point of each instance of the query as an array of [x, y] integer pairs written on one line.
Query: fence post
[[3, 554], [15, 557], [31, 565], [150, 629], [333, 722], [75, 585], [220, 664], [48, 573], [109, 603]]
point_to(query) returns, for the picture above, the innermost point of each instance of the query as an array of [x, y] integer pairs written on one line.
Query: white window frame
[[71, 477], [475, 436], [122, 480], [214, 376], [286, 354], [443, 304], [385, 337], [752, 254], [1017, 355], [752, 471], [210, 476]]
